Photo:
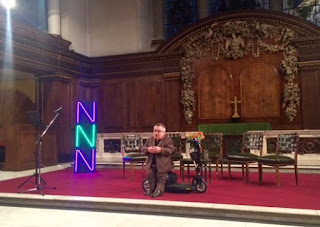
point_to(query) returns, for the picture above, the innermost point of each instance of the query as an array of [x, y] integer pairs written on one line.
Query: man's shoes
[[156, 193], [148, 192]]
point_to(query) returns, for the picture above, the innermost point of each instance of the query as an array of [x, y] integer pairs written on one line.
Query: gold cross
[[235, 101]]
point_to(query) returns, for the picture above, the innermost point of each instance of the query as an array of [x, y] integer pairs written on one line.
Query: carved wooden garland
[[233, 40]]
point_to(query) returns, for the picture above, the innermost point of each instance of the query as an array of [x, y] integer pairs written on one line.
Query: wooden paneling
[[173, 104], [137, 104], [55, 94], [310, 87], [63, 123], [18, 134], [83, 93], [256, 81], [132, 107], [49, 148], [14, 104], [47, 98], [215, 90], [260, 91], [20, 147], [27, 148], [113, 105], [151, 103]]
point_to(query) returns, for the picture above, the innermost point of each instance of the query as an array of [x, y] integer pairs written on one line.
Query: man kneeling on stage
[[158, 149]]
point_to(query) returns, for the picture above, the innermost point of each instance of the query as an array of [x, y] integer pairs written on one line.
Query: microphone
[[58, 110]]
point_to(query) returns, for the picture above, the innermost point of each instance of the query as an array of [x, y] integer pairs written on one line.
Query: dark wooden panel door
[[173, 105], [132, 106], [260, 91], [49, 150], [64, 124], [27, 146], [113, 105], [151, 103], [310, 88], [214, 87], [20, 147]]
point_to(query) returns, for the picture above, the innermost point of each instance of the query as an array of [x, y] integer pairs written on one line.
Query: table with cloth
[[232, 132]]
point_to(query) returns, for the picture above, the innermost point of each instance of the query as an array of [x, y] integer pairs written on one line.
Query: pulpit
[[20, 147]]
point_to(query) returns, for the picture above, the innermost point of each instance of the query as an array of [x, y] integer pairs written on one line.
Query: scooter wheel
[[201, 187], [145, 185]]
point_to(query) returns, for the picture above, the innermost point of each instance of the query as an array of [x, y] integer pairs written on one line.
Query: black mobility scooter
[[198, 184]]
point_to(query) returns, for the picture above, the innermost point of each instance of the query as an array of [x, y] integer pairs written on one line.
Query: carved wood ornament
[[237, 39]]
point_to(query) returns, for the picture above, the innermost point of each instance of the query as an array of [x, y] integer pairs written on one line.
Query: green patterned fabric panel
[[234, 128]]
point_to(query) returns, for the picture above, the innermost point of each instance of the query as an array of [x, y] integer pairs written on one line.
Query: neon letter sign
[[85, 138]]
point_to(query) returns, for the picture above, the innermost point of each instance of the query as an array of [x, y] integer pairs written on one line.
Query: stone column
[[157, 22], [203, 9], [276, 5], [54, 18]]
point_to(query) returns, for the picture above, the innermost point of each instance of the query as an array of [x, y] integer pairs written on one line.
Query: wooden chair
[[211, 144], [130, 151], [286, 144], [250, 141], [176, 139]]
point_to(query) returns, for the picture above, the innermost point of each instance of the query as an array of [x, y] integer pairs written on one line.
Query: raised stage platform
[[170, 208], [94, 193]]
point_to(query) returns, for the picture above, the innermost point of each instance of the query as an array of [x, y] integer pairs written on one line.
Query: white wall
[[145, 24], [74, 24], [107, 27]]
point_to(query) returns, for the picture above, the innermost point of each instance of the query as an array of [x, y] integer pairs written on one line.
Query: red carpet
[[109, 183]]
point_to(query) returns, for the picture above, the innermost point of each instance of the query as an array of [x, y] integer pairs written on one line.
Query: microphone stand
[[40, 183]]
